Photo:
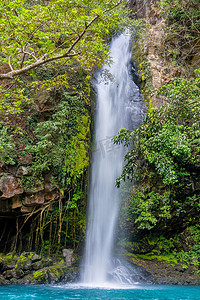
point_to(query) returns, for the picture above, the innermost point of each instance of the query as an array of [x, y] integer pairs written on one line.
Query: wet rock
[[16, 202], [166, 272], [13, 281], [51, 195], [49, 186], [17, 273], [8, 274], [3, 281], [72, 274], [25, 209], [24, 262], [28, 279], [7, 262], [31, 268], [37, 265], [10, 267], [35, 189], [27, 265]]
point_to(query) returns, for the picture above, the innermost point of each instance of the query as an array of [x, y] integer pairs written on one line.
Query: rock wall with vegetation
[[160, 215]]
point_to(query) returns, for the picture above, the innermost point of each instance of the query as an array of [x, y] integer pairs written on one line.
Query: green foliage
[[8, 152], [54, 33], [61, 144], [180, 249], [146, 208], [165, 154], [168, 139], [34, 34], [31, 32]]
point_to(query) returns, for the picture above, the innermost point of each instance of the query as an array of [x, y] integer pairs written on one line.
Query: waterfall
[[119, 105]]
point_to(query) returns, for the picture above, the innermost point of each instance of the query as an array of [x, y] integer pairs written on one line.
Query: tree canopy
[[35, 34]]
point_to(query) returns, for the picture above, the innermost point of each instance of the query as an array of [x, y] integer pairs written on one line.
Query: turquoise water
[[137, 292]]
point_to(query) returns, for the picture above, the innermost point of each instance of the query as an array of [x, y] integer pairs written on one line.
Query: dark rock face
[[144, 9], [9, 186], [13, 197]]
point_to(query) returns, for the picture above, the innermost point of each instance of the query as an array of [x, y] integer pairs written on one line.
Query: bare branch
[[30, 54], [10, 64]]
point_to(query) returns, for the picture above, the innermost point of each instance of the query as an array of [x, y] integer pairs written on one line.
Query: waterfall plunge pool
[[137, 292]]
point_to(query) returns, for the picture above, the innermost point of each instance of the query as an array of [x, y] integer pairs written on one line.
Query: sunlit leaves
[[28, 34]]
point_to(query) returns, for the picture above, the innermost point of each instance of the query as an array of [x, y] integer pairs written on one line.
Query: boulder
[[47, 262], [37, 265], [35, 257], [69, 258]]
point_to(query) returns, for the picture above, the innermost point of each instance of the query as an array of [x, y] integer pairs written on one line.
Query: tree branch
[[10, 64], [69, 53]]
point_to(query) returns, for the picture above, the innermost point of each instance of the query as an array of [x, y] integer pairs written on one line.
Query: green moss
[[62, 262], [21, 261], [151, 256], [57, 271], [9, 256], [41, 276], [30, 255], [22, 258]]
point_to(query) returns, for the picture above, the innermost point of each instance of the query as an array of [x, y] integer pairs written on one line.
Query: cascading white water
[[115, 110]]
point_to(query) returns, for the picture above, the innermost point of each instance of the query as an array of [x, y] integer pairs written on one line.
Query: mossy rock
[[47, 262], [50, 274], [28, 279], [13, 281], [8, 261], [37, 265], [56, 273], [24, 263], [41, 276]]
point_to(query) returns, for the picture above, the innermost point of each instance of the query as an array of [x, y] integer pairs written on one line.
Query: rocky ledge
[[31, 268], [166, 272]]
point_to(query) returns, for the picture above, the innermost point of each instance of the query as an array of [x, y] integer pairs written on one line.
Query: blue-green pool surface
[[137, 292]]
